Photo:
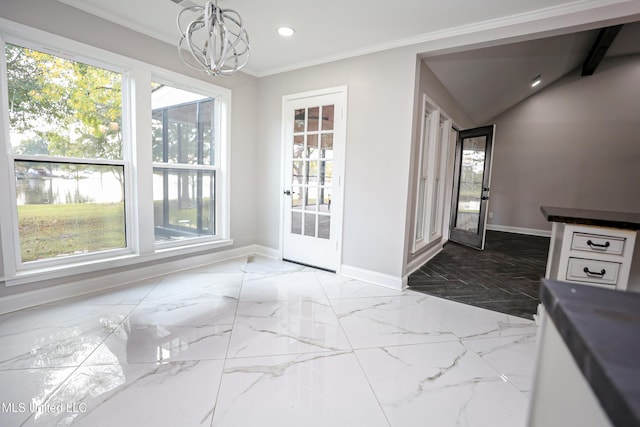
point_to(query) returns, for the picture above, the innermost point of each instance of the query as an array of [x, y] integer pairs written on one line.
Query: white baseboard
[[117, 279], [374, 277], [267, 252], [519, 230]]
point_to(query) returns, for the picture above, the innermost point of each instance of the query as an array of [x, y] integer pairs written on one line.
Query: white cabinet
[[591, 255]]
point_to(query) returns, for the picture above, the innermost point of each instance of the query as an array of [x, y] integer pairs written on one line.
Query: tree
[[75, 107], [64, 108]]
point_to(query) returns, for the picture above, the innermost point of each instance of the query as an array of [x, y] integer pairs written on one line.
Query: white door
[[314, 144]]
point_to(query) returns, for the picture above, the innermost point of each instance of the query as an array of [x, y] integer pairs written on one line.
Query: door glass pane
[[298, 120], [324, 226], [312, 146], [324, 200], [310, 224], [327, 146], [296, 197], [471, 174], [296, 222], [312, 198], [312, 173], [298, 146], [314, 115], [327, 117], [297, 173], [325, 172]]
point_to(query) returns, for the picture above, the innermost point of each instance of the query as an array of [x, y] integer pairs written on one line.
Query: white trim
[[519, 230], [465, 33], [268, 252], [95, 266], [374, 277], [341, 93], [423, 258], [122, 278], [142, 245]]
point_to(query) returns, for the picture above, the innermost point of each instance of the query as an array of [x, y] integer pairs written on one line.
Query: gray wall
[[574, 144], [379, 120], [431, 86]]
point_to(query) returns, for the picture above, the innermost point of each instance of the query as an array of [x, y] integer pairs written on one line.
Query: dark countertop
[[601, 328], [625, 220]]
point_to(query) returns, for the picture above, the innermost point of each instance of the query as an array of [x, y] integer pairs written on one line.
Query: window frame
[[125, 162], [137, 161], [431, 170], [216, 167]]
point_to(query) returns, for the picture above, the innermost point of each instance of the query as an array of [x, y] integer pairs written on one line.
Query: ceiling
[[484, 81], [488, 81]]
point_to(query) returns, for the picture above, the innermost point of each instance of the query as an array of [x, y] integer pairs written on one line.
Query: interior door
[[472, 177], [315, 131]]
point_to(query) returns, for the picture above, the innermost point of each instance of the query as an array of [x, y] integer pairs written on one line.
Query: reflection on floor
[[255, 341], [505, 277]]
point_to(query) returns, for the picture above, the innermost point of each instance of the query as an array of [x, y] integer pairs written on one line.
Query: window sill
[[48, 273]]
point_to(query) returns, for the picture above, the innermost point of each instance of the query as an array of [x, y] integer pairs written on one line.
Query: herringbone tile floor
[[505, 277]]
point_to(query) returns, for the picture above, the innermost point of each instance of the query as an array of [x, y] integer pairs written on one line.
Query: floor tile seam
[[500, 376], [370, 384], [58, 387], [335, 313], [226, 353], [290, 354], [114, 329], [454, 338]]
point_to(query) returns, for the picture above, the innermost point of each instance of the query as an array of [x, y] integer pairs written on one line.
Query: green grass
[[48, 231]]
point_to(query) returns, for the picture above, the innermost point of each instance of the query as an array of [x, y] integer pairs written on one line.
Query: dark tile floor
[[505, 277]]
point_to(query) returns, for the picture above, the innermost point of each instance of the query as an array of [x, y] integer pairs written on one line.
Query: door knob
[[485, 197], [287, 192]]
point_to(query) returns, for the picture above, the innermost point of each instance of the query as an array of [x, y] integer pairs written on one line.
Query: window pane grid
[[184, 161], [312, 171], [67, 155]]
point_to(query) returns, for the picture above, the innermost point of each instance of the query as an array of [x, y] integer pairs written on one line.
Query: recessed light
[[536, 80], [286, 31]]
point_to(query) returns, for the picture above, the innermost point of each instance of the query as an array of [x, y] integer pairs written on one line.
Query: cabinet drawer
[[597, 243], [592, 271]]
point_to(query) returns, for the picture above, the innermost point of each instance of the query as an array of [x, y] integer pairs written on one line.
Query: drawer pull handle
[[594, 273], [598, 245]]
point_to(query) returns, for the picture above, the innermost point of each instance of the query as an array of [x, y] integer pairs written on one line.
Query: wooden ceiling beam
[[605, 38]]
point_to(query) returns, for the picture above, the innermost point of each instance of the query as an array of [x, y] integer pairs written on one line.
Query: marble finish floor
[[259, 342]]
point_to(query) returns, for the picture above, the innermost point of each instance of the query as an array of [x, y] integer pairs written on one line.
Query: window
[[184, 164], [86, 165], [432, 157], [66, 155]]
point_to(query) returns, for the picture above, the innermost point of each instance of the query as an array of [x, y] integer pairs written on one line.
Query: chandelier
[[215, 41]]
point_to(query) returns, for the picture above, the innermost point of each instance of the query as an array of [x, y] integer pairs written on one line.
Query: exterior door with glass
[[314, 143], [472, 177]]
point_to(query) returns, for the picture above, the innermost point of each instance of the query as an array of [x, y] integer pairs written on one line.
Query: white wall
[[379, 119], [574, 144]]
